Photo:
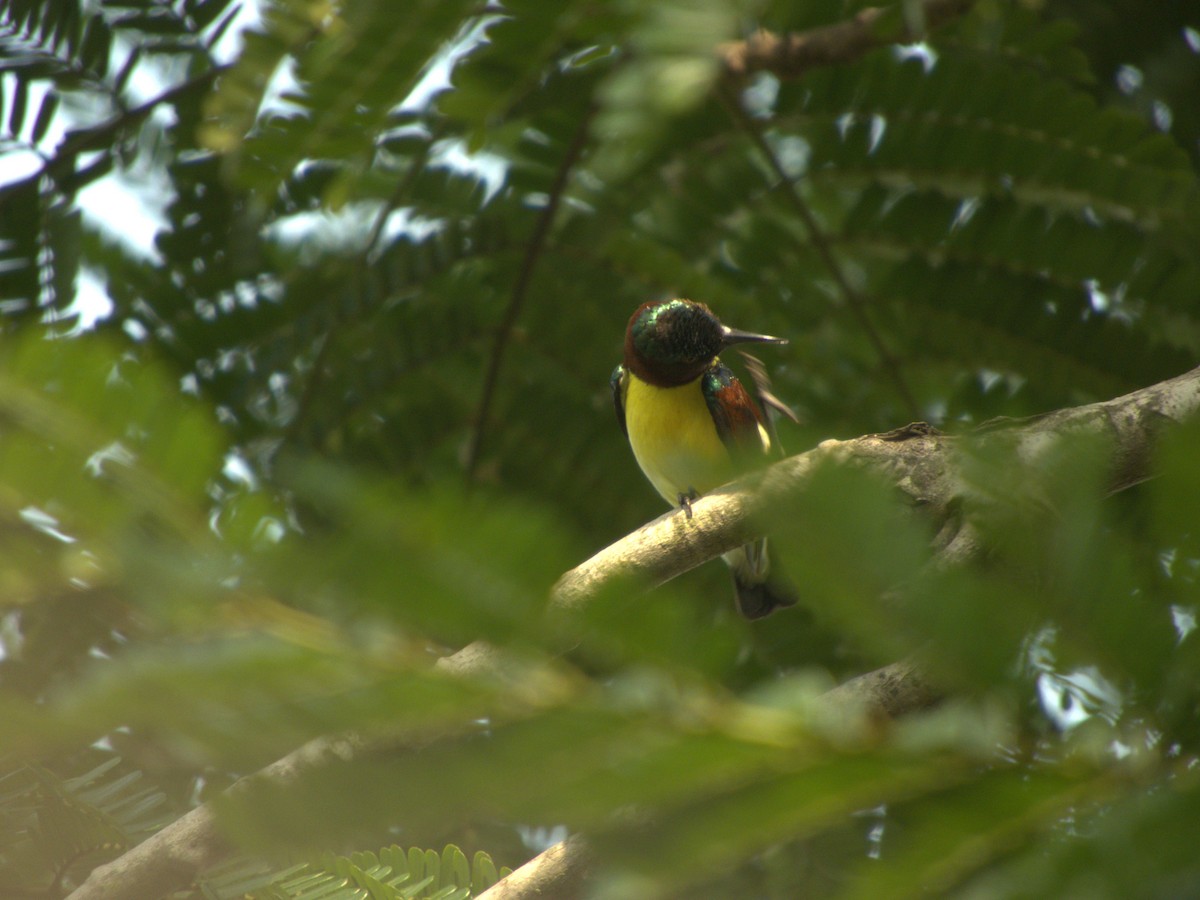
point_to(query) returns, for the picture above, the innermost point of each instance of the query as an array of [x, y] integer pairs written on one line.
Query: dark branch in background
[[103, 135], [63, 168], [315, 376], [786, 57], [791, 55], [361, 273], [920, 462], [855, 301], [533, 252], [415, 168]]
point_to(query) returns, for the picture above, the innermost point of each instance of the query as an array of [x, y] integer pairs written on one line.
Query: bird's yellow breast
[[674, 439]]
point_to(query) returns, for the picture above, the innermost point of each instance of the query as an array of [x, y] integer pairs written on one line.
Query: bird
[[693, 426]]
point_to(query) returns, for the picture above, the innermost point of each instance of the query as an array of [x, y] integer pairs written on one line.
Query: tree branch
[[561, 871], [855, 301], [919, 461], [533, 253], [63, 168], [791, 55], [556, 872], [169, 859]]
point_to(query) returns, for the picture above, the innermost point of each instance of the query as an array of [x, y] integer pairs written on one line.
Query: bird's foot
[[685, 501]]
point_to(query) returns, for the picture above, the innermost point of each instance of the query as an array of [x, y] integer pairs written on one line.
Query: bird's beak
[[734, 336]]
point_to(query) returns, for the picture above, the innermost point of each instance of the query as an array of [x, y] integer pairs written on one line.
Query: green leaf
[[936, 842], [45, 116], [353, 71], [383, 876], [701, 839]]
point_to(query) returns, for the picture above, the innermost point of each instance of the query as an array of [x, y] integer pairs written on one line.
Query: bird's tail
[[759, 591]]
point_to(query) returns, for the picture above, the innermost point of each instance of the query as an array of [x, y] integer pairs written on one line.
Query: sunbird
[[692, 425]]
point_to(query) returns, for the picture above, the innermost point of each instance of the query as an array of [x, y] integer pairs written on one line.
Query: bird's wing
[[620, 388], [772, 407], [735, 414]]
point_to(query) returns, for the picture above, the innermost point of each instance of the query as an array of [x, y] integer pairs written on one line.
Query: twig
[[415, 168], [61, 167], [516, 300], [791, 55], [317, 373], [855, 301]]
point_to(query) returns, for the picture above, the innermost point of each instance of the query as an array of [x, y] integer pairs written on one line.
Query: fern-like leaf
[[394, 873], [54, 826]]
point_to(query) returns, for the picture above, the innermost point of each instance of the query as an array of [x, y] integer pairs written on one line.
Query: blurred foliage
[[256, 499], [391, 874]]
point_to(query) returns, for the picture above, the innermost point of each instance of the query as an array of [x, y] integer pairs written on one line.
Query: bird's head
[[671, 342]]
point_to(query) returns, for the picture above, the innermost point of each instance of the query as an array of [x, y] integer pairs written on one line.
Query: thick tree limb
[[791, 55], [917, 460], [894, 690], [166, 861], [170, 859], [558, 872]]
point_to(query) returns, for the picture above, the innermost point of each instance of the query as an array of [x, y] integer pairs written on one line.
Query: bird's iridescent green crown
[[676, 332]]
